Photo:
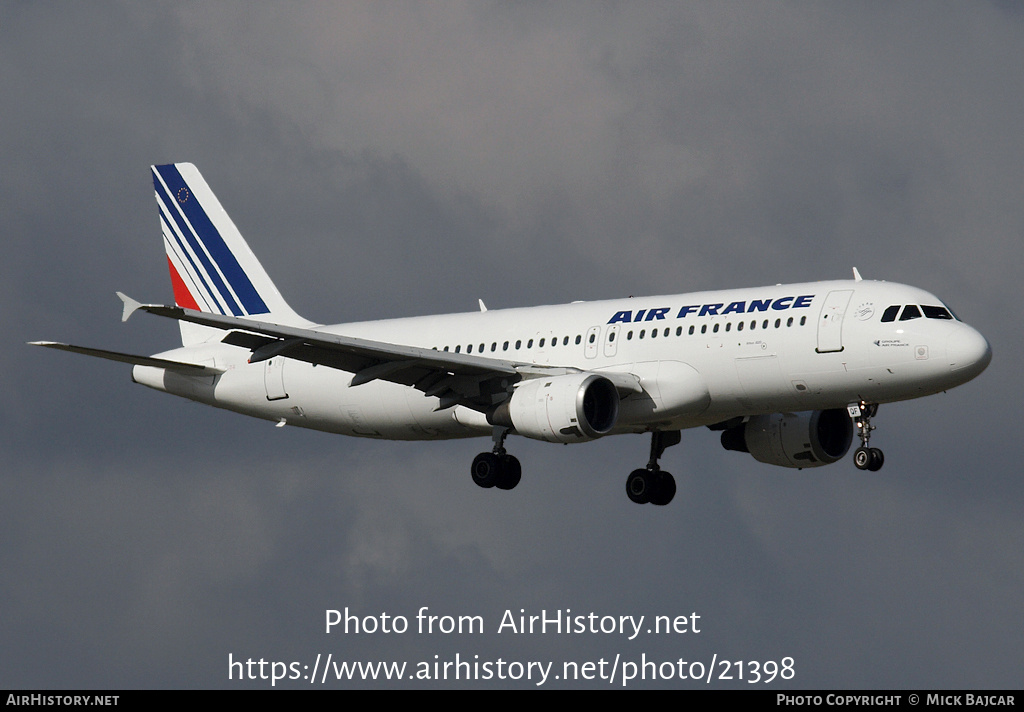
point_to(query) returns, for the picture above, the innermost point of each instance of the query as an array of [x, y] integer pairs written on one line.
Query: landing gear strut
[[497, 468], [653, 484], [864, 457]]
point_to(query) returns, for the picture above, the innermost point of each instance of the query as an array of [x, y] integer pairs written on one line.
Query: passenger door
[[830, 323]]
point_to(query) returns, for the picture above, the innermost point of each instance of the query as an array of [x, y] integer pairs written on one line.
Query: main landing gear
[[653, 484], [864, 457], [497, 468]]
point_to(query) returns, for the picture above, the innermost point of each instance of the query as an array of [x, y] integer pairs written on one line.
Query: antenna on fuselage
[[856, 275]]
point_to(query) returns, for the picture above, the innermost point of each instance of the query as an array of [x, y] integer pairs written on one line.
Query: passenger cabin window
[[890, 313], [910, 312]]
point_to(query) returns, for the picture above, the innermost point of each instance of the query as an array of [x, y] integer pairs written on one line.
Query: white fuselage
[[701, 358]]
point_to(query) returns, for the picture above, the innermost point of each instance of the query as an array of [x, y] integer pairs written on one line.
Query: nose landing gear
[[864, 457]]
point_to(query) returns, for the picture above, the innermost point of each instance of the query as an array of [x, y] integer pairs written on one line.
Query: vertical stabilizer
[[212, 268]]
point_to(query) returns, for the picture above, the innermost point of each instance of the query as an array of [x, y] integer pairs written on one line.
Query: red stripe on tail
[[182, 297]]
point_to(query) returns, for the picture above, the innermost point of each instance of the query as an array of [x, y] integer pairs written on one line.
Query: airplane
[[787, 373]]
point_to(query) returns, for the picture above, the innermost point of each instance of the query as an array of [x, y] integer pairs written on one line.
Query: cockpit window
[[910, 312], [936, 312], [890, 313]]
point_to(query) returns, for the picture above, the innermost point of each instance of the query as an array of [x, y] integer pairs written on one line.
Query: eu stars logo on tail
[[789, 373]]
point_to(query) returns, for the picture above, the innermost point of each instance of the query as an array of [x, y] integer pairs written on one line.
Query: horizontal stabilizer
[[188, 368], [130, 306]]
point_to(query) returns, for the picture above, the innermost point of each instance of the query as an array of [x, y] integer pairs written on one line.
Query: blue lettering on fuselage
[[741, 307], [641, 315]]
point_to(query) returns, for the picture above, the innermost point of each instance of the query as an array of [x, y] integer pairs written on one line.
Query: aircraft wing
[[475, 381], [193, 369]]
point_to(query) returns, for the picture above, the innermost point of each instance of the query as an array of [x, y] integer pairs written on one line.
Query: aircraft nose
[[968, 351]]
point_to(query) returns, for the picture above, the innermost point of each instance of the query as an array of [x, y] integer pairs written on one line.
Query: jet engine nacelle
[[561, 409], [808, 439]]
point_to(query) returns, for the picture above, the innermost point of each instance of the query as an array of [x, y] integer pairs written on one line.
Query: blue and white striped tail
[[212, 268]]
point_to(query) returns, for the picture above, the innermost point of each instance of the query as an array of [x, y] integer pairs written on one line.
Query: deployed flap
[[180, 366]]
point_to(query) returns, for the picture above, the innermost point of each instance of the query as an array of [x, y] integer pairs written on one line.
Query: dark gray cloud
[[388, 159]]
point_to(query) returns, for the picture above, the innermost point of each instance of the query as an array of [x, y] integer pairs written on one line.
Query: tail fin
[[212, 268]]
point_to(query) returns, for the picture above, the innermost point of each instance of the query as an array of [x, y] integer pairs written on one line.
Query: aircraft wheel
[[862, 458], [486, 469], [511, 473], [665, 488], [639, 486], [877, 460]]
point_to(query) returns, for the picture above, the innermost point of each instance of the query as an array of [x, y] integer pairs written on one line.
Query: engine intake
[[563, 409], [808, 439]]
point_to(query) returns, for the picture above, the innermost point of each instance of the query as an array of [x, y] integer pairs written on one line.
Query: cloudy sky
[[392, 159]]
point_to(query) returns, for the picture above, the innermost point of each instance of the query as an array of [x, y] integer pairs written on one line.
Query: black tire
[[511, 473], [862, 458], [665, 488], [877, 460], [639, 486], [486, 469]]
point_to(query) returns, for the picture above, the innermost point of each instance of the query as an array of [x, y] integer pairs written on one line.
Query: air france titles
[[719, 309]]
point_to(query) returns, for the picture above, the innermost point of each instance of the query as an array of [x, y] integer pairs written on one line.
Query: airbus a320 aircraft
[[787, 373]]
